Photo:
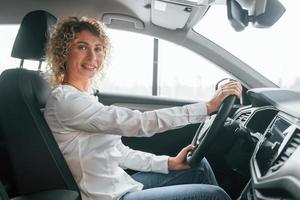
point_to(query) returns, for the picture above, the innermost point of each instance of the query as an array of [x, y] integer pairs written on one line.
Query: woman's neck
[[82, 86]]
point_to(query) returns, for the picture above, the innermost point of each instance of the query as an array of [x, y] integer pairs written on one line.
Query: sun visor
[[169, 15]]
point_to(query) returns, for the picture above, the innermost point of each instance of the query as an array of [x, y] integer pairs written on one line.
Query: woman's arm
[[142, 161], [83, 113]]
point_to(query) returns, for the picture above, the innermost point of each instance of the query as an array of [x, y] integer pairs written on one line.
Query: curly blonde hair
[[61, 39]]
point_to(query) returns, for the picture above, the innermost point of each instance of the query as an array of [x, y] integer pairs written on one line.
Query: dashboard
[[274, 120]]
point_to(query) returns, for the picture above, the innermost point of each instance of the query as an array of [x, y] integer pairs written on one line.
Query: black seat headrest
[[32, 36]]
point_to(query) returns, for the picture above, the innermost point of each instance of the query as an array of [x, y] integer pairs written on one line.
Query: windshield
[[274, 51]]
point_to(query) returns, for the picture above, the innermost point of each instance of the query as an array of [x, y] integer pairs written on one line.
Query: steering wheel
[[208, 131]]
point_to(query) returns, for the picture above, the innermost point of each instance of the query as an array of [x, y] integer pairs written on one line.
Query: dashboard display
[[277, 132], [270, 147]]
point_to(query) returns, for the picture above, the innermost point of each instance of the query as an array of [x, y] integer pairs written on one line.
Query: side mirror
[[264, 13]]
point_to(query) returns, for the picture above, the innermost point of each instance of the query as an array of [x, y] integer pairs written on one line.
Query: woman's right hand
[[179, 162], [230, 88]]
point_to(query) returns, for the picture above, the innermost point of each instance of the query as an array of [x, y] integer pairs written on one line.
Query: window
[[7, 37], [186, 75], [182, 74], [130, 66]]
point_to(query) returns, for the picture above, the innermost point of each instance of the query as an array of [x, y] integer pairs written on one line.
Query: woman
[[89, 133]]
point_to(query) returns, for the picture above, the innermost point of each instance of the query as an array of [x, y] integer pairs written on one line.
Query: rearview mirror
[[262, 13], [237, 16], [272, 13]]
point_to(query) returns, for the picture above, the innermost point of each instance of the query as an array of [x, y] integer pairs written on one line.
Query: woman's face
[[85, 56]]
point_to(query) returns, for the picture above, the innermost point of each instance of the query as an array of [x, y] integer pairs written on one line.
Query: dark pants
[[198, 183]]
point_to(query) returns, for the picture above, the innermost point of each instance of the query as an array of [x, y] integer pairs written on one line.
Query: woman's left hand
[[179, 162], [230, 88]]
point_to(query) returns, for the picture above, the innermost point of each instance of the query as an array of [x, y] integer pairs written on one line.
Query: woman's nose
[[92, 55]]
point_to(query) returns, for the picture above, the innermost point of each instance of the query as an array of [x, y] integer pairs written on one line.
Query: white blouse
[[89, 136]]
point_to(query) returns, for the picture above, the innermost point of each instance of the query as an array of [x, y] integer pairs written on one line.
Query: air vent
[[244, 116], [288, 150]]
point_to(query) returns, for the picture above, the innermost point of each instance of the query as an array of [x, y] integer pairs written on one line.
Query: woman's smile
[[90, 67]]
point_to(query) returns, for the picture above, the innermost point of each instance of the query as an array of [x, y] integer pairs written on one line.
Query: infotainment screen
[[277, 131], [270, 148]]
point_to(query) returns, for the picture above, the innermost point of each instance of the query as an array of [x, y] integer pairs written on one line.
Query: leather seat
[[37, 162], [44, 195]]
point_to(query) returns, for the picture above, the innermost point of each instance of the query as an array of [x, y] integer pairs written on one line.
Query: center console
[[275, 159]]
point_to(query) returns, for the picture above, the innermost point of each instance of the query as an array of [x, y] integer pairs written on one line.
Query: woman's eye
[[98, 49], [82, 47]]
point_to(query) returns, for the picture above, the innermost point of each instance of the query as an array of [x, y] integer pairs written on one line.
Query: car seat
[[44, 195], [37, 162]]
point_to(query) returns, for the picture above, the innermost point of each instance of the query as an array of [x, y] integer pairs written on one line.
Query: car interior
[[252, 143]]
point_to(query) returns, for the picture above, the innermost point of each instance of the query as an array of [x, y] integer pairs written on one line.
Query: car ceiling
[[11, 12]]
